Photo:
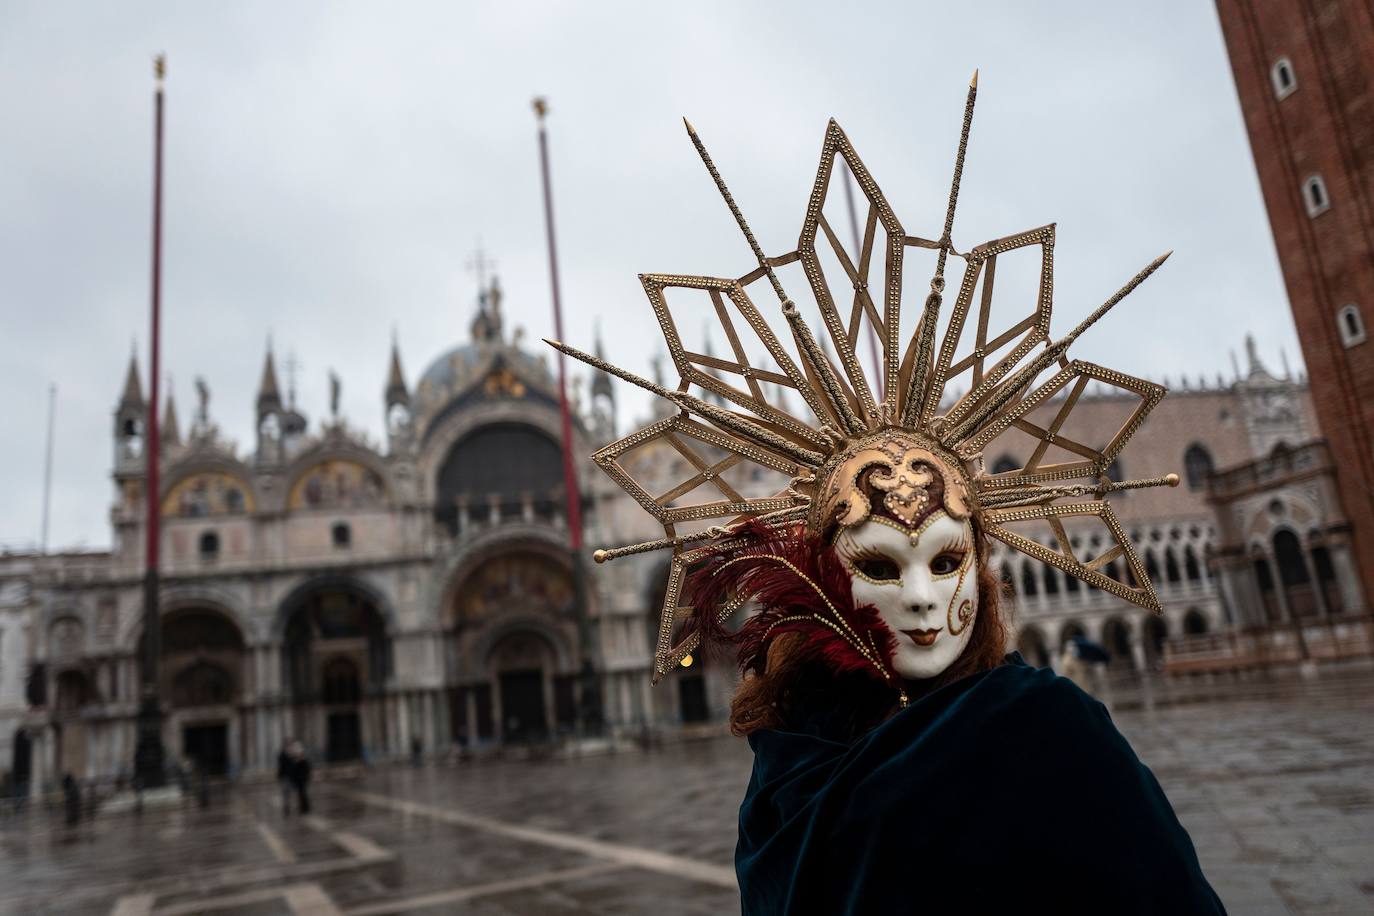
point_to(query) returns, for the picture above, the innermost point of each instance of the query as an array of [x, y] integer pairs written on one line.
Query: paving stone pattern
[[1274, 779]]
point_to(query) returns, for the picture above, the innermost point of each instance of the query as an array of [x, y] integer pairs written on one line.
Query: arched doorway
[[505, 466], [202, 675], [1194, 623], [341, 692], [1116, 638], [1293, 575], [524, 662], [1069, 632], [73, 692], [1031, 644], [513, 628], [203, 694], [1153, 634], [336, 653], [21, 765]]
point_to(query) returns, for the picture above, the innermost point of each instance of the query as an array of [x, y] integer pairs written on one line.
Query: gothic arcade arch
[[1030, 642], [1116, 637]]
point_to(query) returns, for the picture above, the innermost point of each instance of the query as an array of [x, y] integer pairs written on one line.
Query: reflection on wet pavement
[[1275, 783]]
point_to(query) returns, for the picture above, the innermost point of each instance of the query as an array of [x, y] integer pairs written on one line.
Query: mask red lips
[[923, 638]]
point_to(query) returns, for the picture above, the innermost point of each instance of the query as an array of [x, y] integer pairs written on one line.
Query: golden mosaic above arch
[[207, 494], [337, 484]]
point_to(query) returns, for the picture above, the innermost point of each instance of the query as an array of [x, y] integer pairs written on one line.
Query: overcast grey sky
[[331, 165]]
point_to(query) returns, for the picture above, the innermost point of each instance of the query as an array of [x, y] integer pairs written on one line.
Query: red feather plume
[[788, 574]]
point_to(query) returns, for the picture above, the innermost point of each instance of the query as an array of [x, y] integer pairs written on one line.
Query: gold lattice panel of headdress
[[991, 354], [847, 303], [1072, 381], [708, 455], [856, 282], [1001, 524], [747, 383], [673, 645]]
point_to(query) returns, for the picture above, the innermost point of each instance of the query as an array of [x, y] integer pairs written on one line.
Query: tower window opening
[[1314, 195], [209, 546], [1197, 466], [1283, 78], [1351, 324]]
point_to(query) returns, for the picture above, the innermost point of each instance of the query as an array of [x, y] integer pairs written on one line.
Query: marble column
[[1346, 578], [1137, 649], [497, 717], [1286, 614], [647, 697], [431, 732], [550, 720], [443, 733], [1323, 610], [470, 707], [626, 700]]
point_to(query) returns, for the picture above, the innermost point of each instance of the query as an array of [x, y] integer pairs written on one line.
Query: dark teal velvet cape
[[1009, 791]]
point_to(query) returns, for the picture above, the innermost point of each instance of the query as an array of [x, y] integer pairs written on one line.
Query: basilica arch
[[448, 431], [204, 674], [510, 620], [336, 637], [203, 679]]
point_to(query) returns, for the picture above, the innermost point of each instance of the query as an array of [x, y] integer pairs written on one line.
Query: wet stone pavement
[[1274, 780]]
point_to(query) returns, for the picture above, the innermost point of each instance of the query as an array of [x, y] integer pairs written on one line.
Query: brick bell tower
[[1304, 71]]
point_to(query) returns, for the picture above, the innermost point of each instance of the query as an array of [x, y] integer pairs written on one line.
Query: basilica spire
[[133, 388], [396, 392], [269, 395], [601, 380], [170, 432]]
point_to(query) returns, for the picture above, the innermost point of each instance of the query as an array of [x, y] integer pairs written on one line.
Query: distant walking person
[[71, 794], [283, 780], [293, 772]]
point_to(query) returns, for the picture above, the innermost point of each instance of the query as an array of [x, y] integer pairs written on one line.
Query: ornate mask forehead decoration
[[899, 433]]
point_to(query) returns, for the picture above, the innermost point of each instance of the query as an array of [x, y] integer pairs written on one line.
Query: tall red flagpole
[[148, 753], [590, 707], [569, 473]]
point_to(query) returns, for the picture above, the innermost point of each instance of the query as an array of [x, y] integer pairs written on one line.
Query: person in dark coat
[[71, 799], [293, 770], [903, 761], [283, 780]]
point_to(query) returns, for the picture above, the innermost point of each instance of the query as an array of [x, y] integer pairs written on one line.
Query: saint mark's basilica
[[374, 600]]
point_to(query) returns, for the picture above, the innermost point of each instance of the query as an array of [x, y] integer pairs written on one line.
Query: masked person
[[904, 762]]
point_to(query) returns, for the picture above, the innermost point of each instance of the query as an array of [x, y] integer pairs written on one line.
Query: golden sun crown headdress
[[909, 418]]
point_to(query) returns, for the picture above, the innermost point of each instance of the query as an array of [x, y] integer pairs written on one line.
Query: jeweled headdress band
[[1003, 370]]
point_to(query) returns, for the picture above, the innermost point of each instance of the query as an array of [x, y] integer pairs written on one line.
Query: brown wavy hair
[[769, 695]]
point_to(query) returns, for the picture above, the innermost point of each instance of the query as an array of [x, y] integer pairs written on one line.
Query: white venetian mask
[[923, 583]]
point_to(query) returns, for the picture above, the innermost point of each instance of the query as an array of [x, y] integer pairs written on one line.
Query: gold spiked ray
[[1003, 368]]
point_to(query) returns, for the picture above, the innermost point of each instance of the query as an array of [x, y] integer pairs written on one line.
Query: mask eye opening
[[948, 562], [876, 567]]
